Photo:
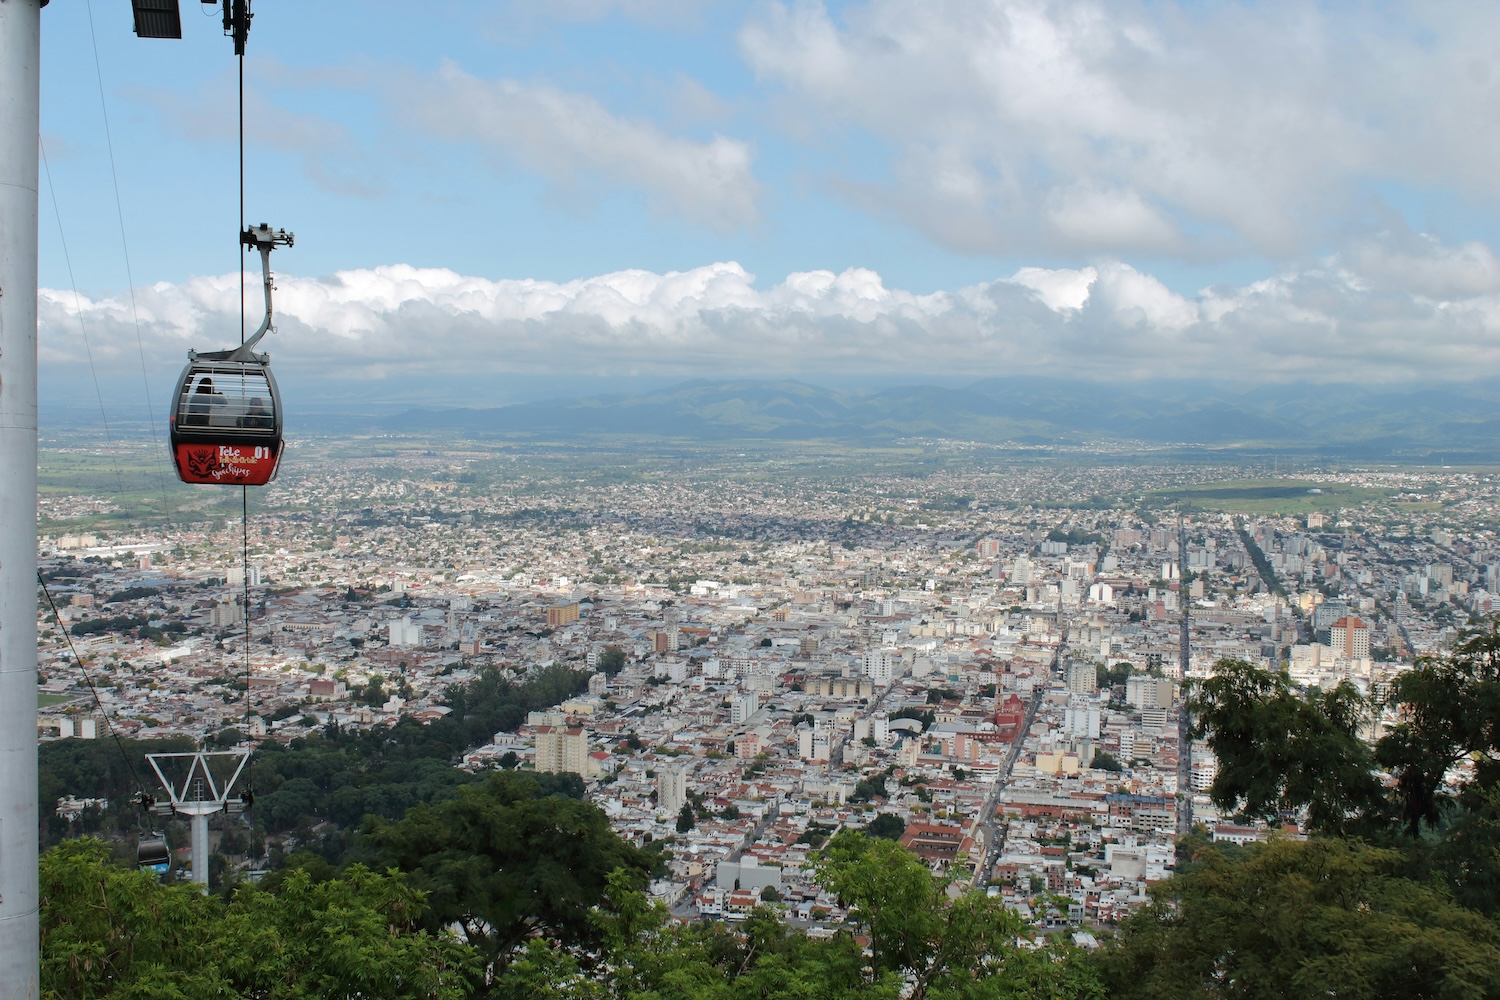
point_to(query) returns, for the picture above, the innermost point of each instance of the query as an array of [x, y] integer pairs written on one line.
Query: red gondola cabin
[[226, 415]]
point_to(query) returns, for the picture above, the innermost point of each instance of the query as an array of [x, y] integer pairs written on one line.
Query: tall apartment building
[[1083, 678], [879, 665], [1145, 691], [235, 576], [405, 632], [559, 615], [1350, 638], [671, 790], [225, 614], [562, 750], [812, 744], [1082, 718], [742, 707]]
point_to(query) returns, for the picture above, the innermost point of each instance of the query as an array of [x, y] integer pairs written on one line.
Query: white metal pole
[[200, 849], [20, 59]]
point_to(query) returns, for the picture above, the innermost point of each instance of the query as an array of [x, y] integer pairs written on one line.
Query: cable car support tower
[[197, 788]]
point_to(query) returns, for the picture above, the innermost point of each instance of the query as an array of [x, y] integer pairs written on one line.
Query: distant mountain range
[[1445, 422]]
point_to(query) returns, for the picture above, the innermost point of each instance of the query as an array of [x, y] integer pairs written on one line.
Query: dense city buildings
[[982, 663]]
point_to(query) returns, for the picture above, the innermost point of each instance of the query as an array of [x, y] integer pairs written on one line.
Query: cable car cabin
[[226, 416], [152, 855], [226, 422]]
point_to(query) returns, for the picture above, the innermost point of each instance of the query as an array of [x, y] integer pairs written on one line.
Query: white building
[[225, 614], [235, 576], [812, 744], [1083, 718], [1083, 678], [742, 707], [1144, 691], [671, 790], [405, 632], [879, 665]]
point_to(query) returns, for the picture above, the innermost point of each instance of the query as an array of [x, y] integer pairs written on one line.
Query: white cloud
[[1170, 128], [567, 137], [1425, 266], [1373, 313], [1061, 289]]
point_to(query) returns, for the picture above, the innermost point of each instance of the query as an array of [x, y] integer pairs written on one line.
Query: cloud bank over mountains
[[1129, 190], [1395, 309]]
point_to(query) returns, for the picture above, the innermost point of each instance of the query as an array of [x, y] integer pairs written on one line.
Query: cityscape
[[979, 655], [768, 500]]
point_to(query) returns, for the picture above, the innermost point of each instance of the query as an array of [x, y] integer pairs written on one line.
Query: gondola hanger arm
[[265, 239]]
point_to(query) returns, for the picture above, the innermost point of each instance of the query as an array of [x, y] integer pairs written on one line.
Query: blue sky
[[668, 187]]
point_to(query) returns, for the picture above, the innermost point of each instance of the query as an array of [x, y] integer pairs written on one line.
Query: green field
[[138, 482], [48, 700], [1268, 496]]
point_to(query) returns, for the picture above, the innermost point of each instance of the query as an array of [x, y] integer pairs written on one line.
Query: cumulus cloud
[[1401, 309], [565, 136], [1171, 128]]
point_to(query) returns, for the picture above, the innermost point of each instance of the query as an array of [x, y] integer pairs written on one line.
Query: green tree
[[356, 935], [373, 693], [501, 861], [941, 946], [1305, 919], [646, 956], [685, 820], [1280, 751], [869, 788], [108, 931], [1106, 761], [1450, 713], [887, 826], [612, 660]]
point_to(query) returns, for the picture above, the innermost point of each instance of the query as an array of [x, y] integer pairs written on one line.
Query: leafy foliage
[[1451, 713], [1315, 918], [115, 932], [644, 955], [337, 775], [1279, 751], [886, 826], [959, 947], [501, 861], [1106, 761], [612, 660], [95, 769]]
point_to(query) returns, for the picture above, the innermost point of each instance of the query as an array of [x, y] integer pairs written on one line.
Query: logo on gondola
[[202, 462]]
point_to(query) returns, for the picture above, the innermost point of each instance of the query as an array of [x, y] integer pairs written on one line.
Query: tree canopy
[[1280, 751], [109, 931], [501, 861], [1324, 917], [1429, 787]]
